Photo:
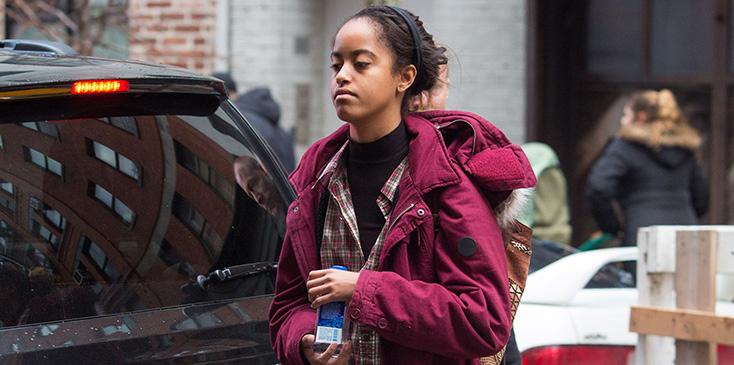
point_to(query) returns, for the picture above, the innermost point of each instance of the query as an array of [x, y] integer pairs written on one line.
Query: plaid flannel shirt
[[341, 244]]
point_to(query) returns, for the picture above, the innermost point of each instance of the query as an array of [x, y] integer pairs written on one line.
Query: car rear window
[[615, 275], [116, 213], [546, 253]]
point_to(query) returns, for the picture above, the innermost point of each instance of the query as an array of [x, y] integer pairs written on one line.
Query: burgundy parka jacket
[[438, 296]]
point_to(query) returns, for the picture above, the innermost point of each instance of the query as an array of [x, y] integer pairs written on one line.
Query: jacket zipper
[[397, 218]]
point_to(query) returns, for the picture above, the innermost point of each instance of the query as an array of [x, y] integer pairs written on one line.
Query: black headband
[[413, 32]]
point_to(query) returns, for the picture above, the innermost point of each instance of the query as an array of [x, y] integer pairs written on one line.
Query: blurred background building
[[555, 71]]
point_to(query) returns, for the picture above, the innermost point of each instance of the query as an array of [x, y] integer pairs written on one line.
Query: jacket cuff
[[362, 307], [304, 326]]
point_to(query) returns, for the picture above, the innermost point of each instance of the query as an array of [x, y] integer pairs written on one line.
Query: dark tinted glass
[[547, 252], [107, 215], [614, 40], [614, 275], [682, 36]]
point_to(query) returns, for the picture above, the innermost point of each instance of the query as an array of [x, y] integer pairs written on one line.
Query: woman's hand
[[330, 285], [327, 357]]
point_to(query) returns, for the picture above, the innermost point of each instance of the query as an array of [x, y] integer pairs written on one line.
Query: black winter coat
[[654, 186], [263, 112]]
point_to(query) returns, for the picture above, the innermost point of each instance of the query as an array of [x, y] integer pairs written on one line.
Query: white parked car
[[576, 307]]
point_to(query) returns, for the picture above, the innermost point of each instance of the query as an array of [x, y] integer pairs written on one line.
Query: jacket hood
[[260, 101], [670, 156], [496, 165], [656, 135]]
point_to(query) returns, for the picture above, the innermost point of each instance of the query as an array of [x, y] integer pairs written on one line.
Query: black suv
[[140, 215]]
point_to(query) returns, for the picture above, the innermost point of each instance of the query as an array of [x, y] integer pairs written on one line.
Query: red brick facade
[[173, 32]]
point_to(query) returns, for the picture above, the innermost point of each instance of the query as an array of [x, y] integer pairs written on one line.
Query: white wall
[[486, 40], [263, 53], [487, 66], [2, 19]]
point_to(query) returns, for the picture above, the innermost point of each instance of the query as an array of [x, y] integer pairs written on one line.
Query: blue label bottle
[[330, 319]]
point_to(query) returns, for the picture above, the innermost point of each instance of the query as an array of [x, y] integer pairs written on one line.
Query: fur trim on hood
[[511, 209], [656, 135]]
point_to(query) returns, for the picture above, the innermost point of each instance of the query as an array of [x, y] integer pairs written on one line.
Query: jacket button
[[421, 212], [382, 323], [356, 313], [296, 209]]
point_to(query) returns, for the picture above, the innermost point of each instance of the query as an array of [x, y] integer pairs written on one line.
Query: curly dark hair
[[395, 34]]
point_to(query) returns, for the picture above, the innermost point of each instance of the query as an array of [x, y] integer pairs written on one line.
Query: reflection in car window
[[144, 205], [614, 275]]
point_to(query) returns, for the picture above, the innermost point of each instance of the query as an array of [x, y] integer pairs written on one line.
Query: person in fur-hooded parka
[[650, 168]]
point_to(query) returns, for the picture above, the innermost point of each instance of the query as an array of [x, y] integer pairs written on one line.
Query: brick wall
[[173, 32]]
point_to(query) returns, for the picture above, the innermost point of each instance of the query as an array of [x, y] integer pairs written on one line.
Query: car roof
[[30, 70]]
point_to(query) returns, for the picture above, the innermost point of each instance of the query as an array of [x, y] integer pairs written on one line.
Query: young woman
[[383, 196], [650, 169]]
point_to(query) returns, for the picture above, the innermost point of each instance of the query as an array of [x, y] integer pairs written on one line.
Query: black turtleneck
[[369, 165]]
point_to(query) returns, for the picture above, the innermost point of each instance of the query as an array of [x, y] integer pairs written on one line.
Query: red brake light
[[726, 354], [578, 355], [601, 355], [99, 86]]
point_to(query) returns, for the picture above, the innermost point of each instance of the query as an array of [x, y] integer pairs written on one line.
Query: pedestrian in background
[[547, 212], [263, 113], [427, 280], [650, 169]]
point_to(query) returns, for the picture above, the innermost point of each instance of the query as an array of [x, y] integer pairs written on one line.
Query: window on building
[[51, 216], [41, 160], [614, 47], [43, 232], [7, 196], [46, 128], [7, 236], [679, 49], [199, 167], [196, 222], [105, 197], [303, 113], [302, 45], [7, 187], [114, 159], [173, 259], [127, 124], [99, 259]]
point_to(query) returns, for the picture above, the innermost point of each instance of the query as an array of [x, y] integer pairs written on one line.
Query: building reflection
[[117, 214]]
